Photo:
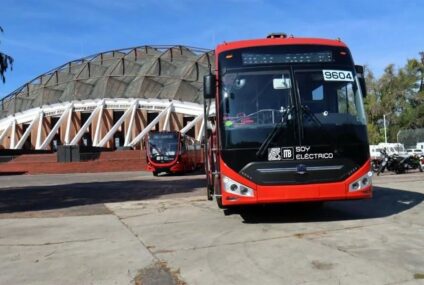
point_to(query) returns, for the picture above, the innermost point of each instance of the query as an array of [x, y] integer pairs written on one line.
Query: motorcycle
[[399, 164], [421, 158], [375, 164], [414, 162]]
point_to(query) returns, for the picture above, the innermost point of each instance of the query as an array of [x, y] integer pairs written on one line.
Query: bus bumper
[[175, 168], [342, 190]]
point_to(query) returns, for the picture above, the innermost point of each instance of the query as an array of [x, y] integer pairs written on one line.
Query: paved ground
[[126, 228]]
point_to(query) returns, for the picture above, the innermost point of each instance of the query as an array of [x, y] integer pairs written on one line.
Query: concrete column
[[197, 128], [6, 140], [47, 127], [94, 126], [75, 125], [62, 129], [19, 131], [34, 134], [176, 123], [107, 125], [161, 123], [140, 122], [45, 130]]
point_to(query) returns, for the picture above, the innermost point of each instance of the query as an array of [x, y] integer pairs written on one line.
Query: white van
[[420, 146], [393, 148], [375, 151]]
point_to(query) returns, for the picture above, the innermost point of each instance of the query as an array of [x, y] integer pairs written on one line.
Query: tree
[[6, 61], [373, 107], [398, 94]]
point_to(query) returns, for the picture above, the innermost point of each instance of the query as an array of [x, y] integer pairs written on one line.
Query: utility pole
[[422, 72], [385, 131], [385, 128]]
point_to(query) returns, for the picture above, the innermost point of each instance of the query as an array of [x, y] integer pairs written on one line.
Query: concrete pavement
[[70, 250], [378, 241]]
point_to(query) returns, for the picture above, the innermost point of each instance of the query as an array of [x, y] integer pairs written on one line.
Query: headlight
[[361, 183], [236, 188]]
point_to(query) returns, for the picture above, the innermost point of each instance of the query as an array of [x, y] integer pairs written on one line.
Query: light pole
[[385, 129]]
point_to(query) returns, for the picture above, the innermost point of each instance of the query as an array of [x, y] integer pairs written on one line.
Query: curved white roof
[[157, 72]]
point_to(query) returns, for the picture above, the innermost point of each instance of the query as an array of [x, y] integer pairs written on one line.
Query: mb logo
[[287, 153]]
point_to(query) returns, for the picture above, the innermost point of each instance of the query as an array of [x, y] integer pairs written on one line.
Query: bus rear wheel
[[209, 192], [155, 173], [209, 189]]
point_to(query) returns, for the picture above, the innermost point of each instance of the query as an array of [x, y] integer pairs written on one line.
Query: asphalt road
[[133, 228]]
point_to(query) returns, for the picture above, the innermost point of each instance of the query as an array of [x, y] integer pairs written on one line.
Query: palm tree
[[6, 61]]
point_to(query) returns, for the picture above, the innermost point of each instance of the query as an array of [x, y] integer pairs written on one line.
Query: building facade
[[109, 100]]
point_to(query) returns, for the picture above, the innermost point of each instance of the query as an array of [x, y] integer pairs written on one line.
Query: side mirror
[[361, 77], [209, 86]]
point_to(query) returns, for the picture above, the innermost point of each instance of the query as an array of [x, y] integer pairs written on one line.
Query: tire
[[380, 169], [209, 190], [155, 173], [375, 167], [219, 202]]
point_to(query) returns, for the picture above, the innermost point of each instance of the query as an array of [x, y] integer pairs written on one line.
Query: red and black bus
[[290, 123], [172, 152]]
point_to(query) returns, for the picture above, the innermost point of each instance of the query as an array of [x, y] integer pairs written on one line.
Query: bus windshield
[[253, 102], [332, 95], [163, 147]]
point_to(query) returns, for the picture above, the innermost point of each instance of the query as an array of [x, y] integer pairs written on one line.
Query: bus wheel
[[219, 202], [155, 173], [209, 190]]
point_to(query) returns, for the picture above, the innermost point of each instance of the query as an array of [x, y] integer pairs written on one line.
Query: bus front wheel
[[155, 173], [219, 202]]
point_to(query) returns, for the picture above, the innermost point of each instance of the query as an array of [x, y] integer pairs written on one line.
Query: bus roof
[[278, 41]]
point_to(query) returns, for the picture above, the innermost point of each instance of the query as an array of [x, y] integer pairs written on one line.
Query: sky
[[43, 34]]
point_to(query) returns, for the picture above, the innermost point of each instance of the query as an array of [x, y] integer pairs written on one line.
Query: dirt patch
[[322, 265], [159, 274], [419, 276]]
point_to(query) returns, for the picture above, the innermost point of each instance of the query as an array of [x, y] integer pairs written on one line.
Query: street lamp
[[385, 129]]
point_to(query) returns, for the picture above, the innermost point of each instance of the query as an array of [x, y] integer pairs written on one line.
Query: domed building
[[108, 100]]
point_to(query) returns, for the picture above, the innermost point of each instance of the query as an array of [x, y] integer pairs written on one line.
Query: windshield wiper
[[315, 119], [157, 149], [275, 131], [311, 115]]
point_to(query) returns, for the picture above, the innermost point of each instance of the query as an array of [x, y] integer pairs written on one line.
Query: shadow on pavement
[[39, 198], [386, 202]]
